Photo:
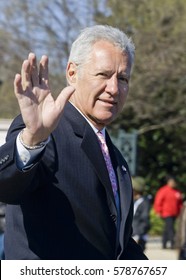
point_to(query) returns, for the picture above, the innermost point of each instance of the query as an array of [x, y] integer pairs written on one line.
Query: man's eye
[[123, 79], [102, 74]]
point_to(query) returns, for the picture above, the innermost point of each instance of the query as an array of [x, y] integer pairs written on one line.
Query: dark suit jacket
[[63, 207]]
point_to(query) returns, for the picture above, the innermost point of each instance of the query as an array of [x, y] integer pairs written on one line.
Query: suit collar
[[77, 121]]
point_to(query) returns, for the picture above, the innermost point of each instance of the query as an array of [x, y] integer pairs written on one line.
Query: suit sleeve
[[14, 182]]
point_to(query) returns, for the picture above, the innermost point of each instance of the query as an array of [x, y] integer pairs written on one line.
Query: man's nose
[[112, 85]]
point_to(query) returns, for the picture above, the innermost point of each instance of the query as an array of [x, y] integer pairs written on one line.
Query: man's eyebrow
[[124, 74], [103, 69], [110, 71]]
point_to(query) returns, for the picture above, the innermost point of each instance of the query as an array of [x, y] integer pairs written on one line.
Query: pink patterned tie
[[108, 162]]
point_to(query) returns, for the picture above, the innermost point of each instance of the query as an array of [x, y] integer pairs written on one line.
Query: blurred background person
[[142, 206], [167, 204]]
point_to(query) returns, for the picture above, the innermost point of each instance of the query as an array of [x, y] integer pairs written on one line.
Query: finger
[[25, 75], [43, 71], [17, 85], [64, 96], [33, 69]]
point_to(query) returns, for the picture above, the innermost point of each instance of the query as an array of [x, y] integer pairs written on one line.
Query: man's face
[[172, 183], [101, 84]]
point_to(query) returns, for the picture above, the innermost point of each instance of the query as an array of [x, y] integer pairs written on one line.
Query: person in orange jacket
[[167, 204]]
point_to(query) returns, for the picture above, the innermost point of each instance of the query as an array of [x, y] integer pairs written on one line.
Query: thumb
[[64, 96]]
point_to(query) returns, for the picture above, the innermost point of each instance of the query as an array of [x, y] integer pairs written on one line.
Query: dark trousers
[[168, 231]]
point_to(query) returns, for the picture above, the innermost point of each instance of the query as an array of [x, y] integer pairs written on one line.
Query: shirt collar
[[93, 127]]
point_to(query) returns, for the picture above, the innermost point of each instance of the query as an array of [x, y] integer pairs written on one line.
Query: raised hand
[[39, 110]]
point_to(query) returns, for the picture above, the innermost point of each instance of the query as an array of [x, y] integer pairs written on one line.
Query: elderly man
[[68, 188]]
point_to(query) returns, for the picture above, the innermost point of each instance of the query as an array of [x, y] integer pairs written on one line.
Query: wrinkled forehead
[[102, 44], [107, 55]]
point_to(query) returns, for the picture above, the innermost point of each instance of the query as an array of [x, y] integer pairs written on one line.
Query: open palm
[[39, 110]]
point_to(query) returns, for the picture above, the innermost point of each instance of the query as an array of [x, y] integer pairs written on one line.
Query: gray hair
[[82, 46]]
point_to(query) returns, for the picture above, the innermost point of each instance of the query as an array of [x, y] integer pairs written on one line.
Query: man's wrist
[[34, 147]]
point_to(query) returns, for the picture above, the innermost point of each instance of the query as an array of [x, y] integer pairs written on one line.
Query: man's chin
[[102, 121]]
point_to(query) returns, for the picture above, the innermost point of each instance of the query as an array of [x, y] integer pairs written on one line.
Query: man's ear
[[71, 73]]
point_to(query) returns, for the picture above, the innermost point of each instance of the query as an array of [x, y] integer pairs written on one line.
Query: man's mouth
[[108, 101]]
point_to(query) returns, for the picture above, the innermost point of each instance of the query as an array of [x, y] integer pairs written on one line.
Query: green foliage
[[156, 224], [159, 153]]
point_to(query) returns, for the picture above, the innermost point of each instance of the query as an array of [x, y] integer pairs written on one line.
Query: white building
[[4, 125]]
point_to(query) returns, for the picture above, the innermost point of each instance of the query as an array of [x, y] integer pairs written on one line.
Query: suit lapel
[[91, 147], [124, 186], [124, 181], [125, 190]]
